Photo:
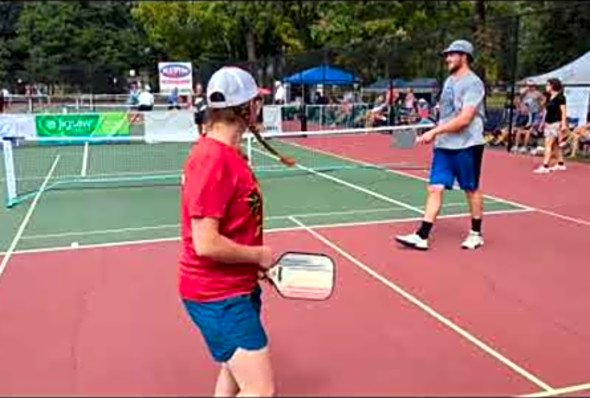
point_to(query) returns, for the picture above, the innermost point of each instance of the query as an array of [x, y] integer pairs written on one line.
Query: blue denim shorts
[[463, 165], [229, 324]]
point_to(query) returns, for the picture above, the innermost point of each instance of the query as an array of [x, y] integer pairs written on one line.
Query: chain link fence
[[508, 50]]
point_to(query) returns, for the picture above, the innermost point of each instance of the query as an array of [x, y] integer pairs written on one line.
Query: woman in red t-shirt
[[222, 248]]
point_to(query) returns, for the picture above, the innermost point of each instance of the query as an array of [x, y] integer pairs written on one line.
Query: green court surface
[[149, 210]]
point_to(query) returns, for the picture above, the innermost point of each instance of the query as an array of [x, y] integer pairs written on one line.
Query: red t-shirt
[[218, 182]]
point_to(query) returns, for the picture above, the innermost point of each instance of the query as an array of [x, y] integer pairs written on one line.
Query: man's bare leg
[[419, 240], [475, 201]]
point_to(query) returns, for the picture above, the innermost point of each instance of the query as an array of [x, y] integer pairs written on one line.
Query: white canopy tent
[[574, 77], [576, 72]]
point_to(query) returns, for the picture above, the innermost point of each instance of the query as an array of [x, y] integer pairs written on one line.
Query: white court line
[[349, 185], [430, 311], [167, 226], [399, 172], [269, 231], [405, 174], [100, 231], [559, 391], [8, 254]]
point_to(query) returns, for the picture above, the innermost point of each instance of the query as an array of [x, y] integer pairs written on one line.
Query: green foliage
[[85, 44], [550, 39]]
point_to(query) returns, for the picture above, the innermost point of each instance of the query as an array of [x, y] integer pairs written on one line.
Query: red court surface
[[115, 326], [509, 319]]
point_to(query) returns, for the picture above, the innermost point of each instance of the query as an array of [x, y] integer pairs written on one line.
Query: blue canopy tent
[[322, 74]]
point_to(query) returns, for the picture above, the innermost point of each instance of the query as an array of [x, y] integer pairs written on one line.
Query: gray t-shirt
[[533, 100], [466, 90]]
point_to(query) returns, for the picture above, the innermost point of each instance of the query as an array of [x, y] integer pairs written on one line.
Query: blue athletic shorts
[[463, 165], [229, 324]]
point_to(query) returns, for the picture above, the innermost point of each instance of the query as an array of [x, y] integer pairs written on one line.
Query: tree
[[552, 34], [79, 43], [9, 12]]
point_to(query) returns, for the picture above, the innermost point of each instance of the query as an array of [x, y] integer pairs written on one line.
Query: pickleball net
[[131, 161]]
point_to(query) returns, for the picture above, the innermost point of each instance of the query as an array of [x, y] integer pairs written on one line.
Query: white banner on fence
[[578, 100], [272, 119], [17, 126], [176, 75], [170, 126]]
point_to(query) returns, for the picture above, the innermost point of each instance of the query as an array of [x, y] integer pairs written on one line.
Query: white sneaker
[[473, 241], [542, 170], [514, 149], [558, 167], [523, 150], [413, 240]]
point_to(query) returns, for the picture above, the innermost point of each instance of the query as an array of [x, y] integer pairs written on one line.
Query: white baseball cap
[[230, 86]]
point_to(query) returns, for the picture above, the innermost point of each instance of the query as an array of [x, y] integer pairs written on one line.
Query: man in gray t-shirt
[[459, 92], [458, 146]]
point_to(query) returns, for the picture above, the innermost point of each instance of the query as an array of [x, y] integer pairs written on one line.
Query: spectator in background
[[145, 99], [376, 116], [173, 99], [534, 101], [133, 95], [280, 94], [581, 134], [555, 127], [410, 102], [200, 105], [423, 111], [320, 99], [520, 126], [408, 108], [392, 102]]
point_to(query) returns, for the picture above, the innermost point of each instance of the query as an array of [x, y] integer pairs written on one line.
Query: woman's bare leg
[[252, 371], [549, 142], [226, 384]]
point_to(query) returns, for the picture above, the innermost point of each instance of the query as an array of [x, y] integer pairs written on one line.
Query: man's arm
[[454, 125], [210, 243], [457, 123]]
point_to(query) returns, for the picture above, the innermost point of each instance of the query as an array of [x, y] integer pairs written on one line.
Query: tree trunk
[[250, 43], [480, 34]]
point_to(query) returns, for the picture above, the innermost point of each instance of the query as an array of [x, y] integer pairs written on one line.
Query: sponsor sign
[[176, 75]]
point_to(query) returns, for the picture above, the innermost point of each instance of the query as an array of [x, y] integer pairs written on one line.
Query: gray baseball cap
[[460, 46]]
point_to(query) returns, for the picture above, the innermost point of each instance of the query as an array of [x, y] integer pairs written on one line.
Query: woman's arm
[[563, 118], [210, 243]]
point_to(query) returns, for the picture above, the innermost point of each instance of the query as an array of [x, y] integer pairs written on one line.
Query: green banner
[[82, 125]]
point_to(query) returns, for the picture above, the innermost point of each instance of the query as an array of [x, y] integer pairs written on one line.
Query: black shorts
[[144, 108], [199, 118], [521, 121]]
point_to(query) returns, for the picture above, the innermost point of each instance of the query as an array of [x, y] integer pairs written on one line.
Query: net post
[[84, 167], [9, 171]]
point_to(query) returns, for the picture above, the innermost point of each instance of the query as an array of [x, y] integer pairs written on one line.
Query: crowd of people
[[539, 122], [540, 126], [394, 107]]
